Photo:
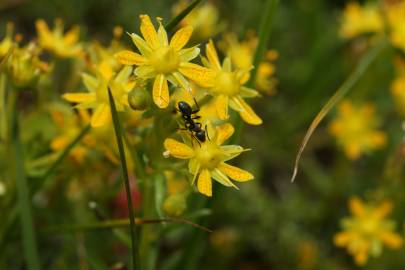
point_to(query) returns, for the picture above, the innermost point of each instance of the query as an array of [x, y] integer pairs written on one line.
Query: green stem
[[147, 250], [23, 195], [175, 21], [264, 35], [265, 27], [124, 170]]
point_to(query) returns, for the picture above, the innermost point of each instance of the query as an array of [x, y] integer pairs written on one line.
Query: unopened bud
[[175, 205], [139, 99]]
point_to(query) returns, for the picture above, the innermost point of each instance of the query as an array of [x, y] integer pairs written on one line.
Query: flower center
[[227, 84], [165, 60], [369, 226], [208, 155]]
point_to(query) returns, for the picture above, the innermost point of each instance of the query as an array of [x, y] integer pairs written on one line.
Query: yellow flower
[[204, 18], [61, 45], [97, 98], [396, 22], [24, 66], [69, 126], [355, 129], [242, 53], [367, 230], [207, 159], [228, 87], [164, 61], [100, 55], [359, 20], [7, 42]]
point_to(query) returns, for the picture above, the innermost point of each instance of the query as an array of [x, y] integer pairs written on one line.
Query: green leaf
[[124, 171], [348, 84], [176, 20]]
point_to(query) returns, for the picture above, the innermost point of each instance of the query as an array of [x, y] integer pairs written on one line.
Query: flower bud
[[139, 99], [175, 205]]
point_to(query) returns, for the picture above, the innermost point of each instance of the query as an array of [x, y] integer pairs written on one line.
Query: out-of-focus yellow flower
[[7, 42], [56, 42], [398, 86], [102, 55], [24, 66], [242, 53], [69, 126], [97, 98], [207, 159], [355, 129], [359, 20], [204, 19], [228, 89], [177, 190], [367, 230], [396, 22], [164, 61]]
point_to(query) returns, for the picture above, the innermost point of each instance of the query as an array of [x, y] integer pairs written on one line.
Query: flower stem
[[124, 170], [176, 20], [264, 35]]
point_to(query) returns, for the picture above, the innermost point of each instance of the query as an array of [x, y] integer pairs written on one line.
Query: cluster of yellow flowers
[[367, 230], [163, 61], [163, 64], [374, 18], [378, 18]]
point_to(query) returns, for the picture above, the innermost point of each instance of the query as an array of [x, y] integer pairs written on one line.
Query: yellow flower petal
[[221, 178], [224, 132], [129, 58], [72, 35], [90, 82], [189, 54], [178, 149], [201, 75], [162, 35], [212, 55], [149, 32], [161, 91], [181, 37], [221, 106], [247, 114], [79, 97], [101, 116], [392, 240], [204, 183], [341, 239], [232, 151], [141, 44], [235, 173], [356, 206]]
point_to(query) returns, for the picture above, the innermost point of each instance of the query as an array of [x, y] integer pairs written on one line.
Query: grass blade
[[176, 20], [265, 27], [361, 67], [124, 171], [23, 199]]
